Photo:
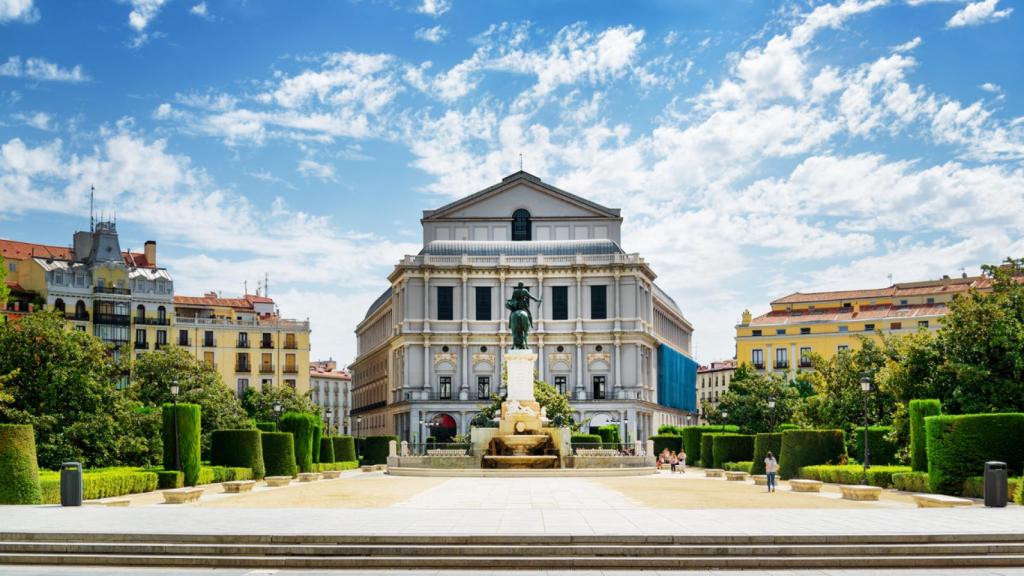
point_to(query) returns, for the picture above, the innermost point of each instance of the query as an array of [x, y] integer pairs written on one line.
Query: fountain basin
[[520, 462], [523, 444]]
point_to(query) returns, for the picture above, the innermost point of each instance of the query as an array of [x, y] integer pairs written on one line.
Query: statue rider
[[520, 300]]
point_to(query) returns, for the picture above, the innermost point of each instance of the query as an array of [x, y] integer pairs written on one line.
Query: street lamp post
[[359, 425], [771, 409], [330, 419], [277, 414], [420, 431], [865, 387], [174, 396], [725, 416]]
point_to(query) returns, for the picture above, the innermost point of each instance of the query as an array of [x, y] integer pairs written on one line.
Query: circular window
[[483, 348], [560, 348], [598, 347], [444, 348]]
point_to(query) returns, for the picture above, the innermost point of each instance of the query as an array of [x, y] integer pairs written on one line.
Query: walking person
[[682, 461], [771, 468], [673, 460]]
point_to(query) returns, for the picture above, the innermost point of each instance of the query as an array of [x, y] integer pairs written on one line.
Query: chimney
[[151, 252]]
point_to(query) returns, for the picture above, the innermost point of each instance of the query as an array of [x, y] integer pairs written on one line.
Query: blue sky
[[755, 148]]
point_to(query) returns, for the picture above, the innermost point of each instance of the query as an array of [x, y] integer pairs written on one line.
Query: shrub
[[738, 466], [350, 465], [810, 447], [919, 410], [670, 430], [959, 446], [167, 479], [1020, 491], [318, 434], [787, 426], [609, 435], [326, 450], [344, 449], [881, 476], [764, 443], [692, 435], [707, 449], [241, 448], [585, 441], [278, 453], [375, 449], [911, 482], [19, 473], [107, 483], [188, 418], [732, 448], [302, 425], [217, 474], [883, 449], [663, 441], [1014, 488], [266, 426]]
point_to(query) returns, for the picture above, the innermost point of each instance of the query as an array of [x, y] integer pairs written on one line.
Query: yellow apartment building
[[826, 323]]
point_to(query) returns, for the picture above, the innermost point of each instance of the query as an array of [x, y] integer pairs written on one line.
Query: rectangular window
[[805, 330], [483, 387], [183, 338], [805, 357], [208, 338], [140, 336], [483, 303], [290, 384], [243, 339], [266, 341], [922, 323], [444, 384], [242, 362], [755, 332], [599, 302], [782, 358], [208, 358], [560, 383], [243, 385], [844, 328], [842, 348], [903, 302], [161, 337], [896, 326], [931, 300], [445, 303], [757, 358], [869, 327], [559, 302], [599, 387], [780, 331]]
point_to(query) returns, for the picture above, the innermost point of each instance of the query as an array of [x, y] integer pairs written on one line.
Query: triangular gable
[[487, 202]]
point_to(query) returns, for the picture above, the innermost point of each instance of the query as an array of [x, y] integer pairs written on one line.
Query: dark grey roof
[[526, 248], [378, 302], [518, 177]]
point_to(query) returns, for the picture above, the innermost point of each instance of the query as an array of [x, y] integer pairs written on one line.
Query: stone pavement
[[520, 493], [104, 571]]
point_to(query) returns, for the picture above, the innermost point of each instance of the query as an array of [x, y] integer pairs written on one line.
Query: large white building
[[430, 348]]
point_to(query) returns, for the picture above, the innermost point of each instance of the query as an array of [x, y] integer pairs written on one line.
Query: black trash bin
[[995, 484], [71, 484]]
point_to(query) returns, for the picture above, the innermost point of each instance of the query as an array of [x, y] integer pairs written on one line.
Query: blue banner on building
[[677, 380]]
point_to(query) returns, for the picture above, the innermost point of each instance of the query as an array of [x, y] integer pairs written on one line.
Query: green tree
[[4, 290], [746, 401], [198, 383], [555, 405], [259, 404]]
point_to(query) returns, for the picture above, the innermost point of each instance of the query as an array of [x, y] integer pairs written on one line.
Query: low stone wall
[[441, 462], [607, 461]]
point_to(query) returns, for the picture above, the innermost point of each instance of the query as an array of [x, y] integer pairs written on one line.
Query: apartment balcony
[[806, 364], [111, 290], [149, 321], [242, 344], [266, 345], [142, 345], [243, 368], [781, 365], [161, 346], [290, 370], [209, 343], [758, 366], [83, 317], [290, 346], [184, 342], [280, 323], [266, 369], [113, 319]]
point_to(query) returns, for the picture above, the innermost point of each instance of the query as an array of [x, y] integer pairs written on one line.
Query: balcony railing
[[115, 319], [111, 290], [266, 344], [520, 261], [265, 369], [290, 346], [83, 317], [281, 323], [806, 364], [758, 366], [149, 321], [184, 342], [141, 345], [160, 346], [211, 343], [243, 367], [781, 364], [290, 370], [242, 344]]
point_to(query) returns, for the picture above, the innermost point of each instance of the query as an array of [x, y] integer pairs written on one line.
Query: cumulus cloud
[[977, 13], [434, 34], [313, 169], [142, 14], [199, 10], [434, 7], [18, 11], [42, 70]]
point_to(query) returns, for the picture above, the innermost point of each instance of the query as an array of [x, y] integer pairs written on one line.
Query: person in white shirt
[[771, 468]]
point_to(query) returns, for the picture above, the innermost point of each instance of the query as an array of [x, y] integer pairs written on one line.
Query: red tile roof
[[866, 314], [339, 374], [943, 286], [16, 250], [245, 302]]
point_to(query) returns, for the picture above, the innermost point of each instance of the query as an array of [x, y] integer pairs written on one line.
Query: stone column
[[620, 386], [464, 386], [426, 301], [405, 448], [426, 365], [618, 307], [540, 359], [501, 303], [540, 315], [465, 302], [581, 389]]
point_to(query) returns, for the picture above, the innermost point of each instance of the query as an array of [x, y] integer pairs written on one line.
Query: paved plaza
[[104, 571]]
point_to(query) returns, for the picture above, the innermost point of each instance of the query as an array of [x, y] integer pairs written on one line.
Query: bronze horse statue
[[520, 320]]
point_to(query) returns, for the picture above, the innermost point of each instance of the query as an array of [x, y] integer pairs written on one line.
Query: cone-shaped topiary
[[318, 434], [242, 448], [344, 449], [189, 436], [919, 410], [19, 473], [278, 453], [327, 450], [302, 425]]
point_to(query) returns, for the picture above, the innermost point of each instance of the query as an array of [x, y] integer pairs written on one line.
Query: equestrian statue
[[520, 320]]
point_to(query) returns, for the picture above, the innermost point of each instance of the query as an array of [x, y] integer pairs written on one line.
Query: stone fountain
[[521, 441]]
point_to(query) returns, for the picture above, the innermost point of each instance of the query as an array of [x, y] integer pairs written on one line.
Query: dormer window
[[521, 225]]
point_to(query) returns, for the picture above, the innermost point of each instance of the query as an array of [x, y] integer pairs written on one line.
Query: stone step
[[521, 562]]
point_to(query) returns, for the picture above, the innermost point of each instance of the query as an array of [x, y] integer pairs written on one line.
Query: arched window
[[80, 309], [140, 313], [161, 314], [521, 225], [58, 305]]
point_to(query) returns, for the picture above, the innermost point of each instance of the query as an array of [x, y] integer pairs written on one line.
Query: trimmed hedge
[[585, 440], [188, 418], [912, 482], [318, 434], [732, 448], [662, 441], [765, 442], [239, 448], [609, 435], [881, 476], [738, 466], [302, 425], [350, 465], [266, 426], [326, 450], [808, 448], [974, 487], [344, 449], [959, 446], [787, 426], [669, 429], [883, 450], [1020, 492], [105, 484], [691, 439], [217, 474], [707, 449], [375, 449], [919, 410], [278, 453], [168, 479], [19, 473]]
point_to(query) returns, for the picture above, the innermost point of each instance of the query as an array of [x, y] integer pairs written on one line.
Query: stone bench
[[380, 467], [860, 492], [277, 481], [238, 486], [940, 501], [760, 479], [309, 476], [366, 468], [805, 485], [118, 502], [331, 474], [735, 476], [182, 495], [714, 472]]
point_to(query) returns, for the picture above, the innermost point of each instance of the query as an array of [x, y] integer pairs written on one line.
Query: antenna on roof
[[92, 218], [245, 287], [266, 284], [520, 161], [890, 278]]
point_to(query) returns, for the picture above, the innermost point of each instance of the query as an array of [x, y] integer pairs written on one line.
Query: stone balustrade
[[447, 452]]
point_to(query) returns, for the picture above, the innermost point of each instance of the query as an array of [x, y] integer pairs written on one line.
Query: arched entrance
[[443, 428]]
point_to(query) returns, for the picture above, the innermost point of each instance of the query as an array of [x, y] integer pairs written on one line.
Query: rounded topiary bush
[[278, 453], [707, 449], [883, 449], [238, 448], [327, 450], [732, 448], [375, 449], [919, 410], [671, 441], [189, 437], [764, 443], [959, 446], [585, 441], [609, 435], [808, 448], [303, 427], [344, 449], [19, 473]]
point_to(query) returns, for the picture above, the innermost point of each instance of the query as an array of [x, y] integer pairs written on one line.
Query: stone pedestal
[[520, 365]]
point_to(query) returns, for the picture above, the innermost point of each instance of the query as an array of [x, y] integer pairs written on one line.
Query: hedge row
[[375, 449], [670, 430], [217, 474], [19, 473], [670, 441], [584, 440], [764, 443], [853, 474], [318, 434], [238, 448], [188, 428], [919, 410], [808, 448], [303, 427], [95, 485], [732, 448], [326, 450], [350, 465], [959, 446], [883, 448], [278, 453], [738, 466], [707, 449], [167, 479], [344, 449], [266, 426], [609, 435], [1020, 492], [692, 439], [912, 482]]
